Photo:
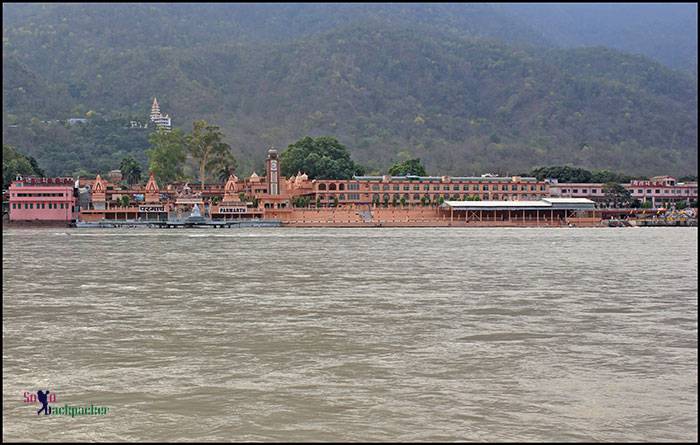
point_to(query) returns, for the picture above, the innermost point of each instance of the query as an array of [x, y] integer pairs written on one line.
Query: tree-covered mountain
[[464, 100], [665, 32]]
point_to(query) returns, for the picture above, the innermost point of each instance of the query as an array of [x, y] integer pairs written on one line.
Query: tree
[[616, 195], [167, 155], [14, 163], [301, 201], [131, 170], [35, 166], [321, 157], [207, 149], [227, 169], [608, 176], [403, 201], [563, 174], [409, 167], [124, 201]]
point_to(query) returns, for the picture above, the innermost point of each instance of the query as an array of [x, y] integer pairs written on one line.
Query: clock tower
[[273, 174]]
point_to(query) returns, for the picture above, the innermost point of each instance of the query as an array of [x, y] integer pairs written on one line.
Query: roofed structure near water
[[543, 204]]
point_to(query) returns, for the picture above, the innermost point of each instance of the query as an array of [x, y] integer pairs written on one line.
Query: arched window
[[322, 186], [341, 187], [331, 187]]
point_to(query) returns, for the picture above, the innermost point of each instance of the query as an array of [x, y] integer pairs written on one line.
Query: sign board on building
[[151, 209], [230, 209], [189, 201]]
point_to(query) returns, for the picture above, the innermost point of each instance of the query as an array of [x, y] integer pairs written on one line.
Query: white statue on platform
[[195, 211]]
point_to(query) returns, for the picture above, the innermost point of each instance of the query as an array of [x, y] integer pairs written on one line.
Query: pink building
[[43, 199], [659, 190]]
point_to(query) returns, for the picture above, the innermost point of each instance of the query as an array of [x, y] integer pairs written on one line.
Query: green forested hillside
[[387, 91]]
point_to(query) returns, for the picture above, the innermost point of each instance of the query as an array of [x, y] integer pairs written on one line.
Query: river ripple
[[353, 334]]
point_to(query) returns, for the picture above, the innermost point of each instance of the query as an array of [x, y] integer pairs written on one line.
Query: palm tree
[[131, 170]]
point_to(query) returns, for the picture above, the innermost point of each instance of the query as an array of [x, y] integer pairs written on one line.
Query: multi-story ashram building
[[659, 190], [46, 199]]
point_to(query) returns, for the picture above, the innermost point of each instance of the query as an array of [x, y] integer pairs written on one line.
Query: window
[[416, 187], [456, 187], [354, 186], [446, 188], [532, 188], [375, 187], [584, 190], [14, 205], [514, 188], [26, 206], [486, 187], [426, 187], [396, 187], [657, 191], [416, 196], [406, 187], [341, 197], [385, 187], [31, 205], [61, 205]]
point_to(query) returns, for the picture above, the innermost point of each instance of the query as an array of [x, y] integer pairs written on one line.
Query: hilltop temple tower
[[160, 120]]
